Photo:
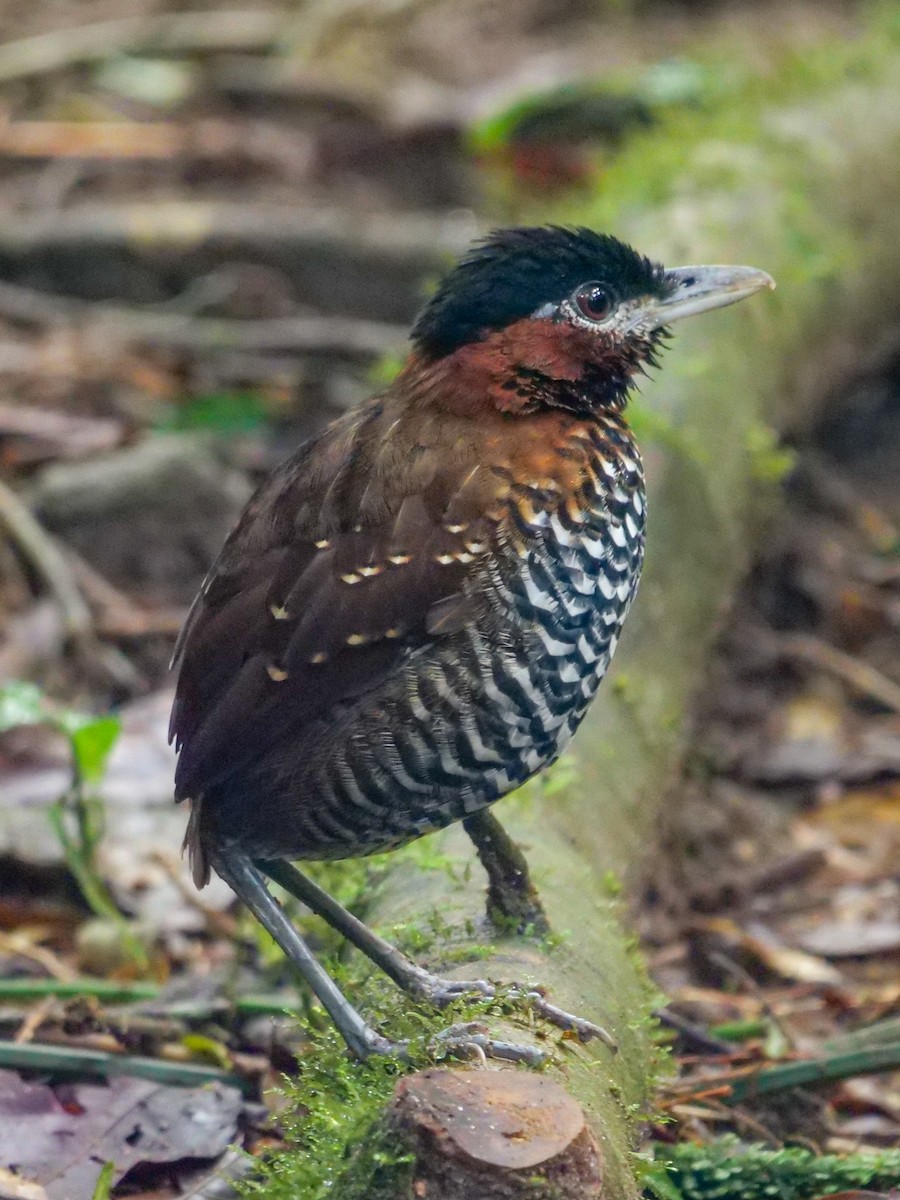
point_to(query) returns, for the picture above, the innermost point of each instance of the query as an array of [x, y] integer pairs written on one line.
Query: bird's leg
[[248, 884], [407, 975], [410, 977], [512, 899], [246, 881]]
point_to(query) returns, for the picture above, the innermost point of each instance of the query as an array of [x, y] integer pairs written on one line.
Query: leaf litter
[[776, 923], [95, 386]]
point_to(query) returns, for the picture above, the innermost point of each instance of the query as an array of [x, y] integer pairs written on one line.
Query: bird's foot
[[513, 903], [471, 1040], [373, 1044], [584, 1029], [441, 992]]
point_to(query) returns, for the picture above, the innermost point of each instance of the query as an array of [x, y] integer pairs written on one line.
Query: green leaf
[[657, 1181], [208, 1048], [157, 81], [103, 1186], [91, 737], [92, 742], [21, 703], [225, 413]]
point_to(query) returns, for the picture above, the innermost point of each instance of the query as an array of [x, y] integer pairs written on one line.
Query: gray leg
[[245, 880], [409, 977], [406, 974], [512, 899]]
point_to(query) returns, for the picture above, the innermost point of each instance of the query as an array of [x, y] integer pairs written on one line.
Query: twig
[[220, 924], [34, 1020], [346, 337], [321, 26], [32, 637], [744, 1122], [809, 1072], [696, 1037], [249, 29], [91, 139], [70, 436], [740, 973], [206, 138], [18, 944], [118, 615], [879, 531], [49, 562], [70, 1061], [853, 671], [407, 240], [111, 992]]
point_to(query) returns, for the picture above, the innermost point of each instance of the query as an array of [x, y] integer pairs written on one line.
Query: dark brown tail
[[193, 843]]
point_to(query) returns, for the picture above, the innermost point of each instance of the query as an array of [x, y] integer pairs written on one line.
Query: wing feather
[[321, 593]]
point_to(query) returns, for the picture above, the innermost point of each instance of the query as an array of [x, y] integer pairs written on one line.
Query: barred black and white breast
[[398, 634]]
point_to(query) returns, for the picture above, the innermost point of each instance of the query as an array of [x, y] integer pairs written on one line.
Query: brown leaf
[[61, 1138], [16, 1187], [852, 939]]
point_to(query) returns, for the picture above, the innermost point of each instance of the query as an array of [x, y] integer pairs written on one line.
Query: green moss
[[735, 175], [710, 148], [652, 428], [611, 883], [770, 460], [727, 1170], [334, 1135], [332, 1107], [378, 1169]]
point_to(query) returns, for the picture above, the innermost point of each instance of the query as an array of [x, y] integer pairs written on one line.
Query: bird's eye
[[593, 301]]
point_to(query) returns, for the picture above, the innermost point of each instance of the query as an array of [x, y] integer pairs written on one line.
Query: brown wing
[[353, 556]]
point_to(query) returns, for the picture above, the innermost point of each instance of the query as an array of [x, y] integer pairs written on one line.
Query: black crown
[[512, 272]]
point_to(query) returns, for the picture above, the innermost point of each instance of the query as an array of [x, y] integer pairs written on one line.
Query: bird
[[415, 610]]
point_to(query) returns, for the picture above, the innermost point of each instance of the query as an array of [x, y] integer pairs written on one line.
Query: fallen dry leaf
[[17, 1187], [61, 1138], [851, 939]]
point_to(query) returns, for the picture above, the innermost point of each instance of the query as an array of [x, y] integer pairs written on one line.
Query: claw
[[471, 1037], [441, 992], [585, 1030]]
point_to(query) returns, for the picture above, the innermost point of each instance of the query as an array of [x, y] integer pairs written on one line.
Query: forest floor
[[185, 298], [773, 919]]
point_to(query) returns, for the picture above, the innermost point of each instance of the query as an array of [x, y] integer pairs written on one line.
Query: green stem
[[60, 1060], [126, 993], [79, 854], [66, 989], [813, 1071], [739, 1031]]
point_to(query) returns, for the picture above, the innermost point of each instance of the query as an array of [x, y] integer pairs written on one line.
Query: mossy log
[[798, 174]]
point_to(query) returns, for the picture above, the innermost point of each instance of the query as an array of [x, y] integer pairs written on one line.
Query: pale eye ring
[[594, 301]]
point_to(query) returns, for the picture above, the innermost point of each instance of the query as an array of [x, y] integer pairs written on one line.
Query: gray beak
[[698, 289]]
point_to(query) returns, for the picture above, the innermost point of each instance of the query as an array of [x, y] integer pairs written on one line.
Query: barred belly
[[482, 710]]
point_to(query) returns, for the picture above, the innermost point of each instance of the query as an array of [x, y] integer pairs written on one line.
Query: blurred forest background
[[215, 227]]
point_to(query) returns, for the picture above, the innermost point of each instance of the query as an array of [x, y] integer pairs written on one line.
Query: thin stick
[[853, 671], [18, 944], [347, 337], [410, 241], [111, 992], [70, 1061], [34, 1020], [813, 1071], [250, 29], [48, 560]]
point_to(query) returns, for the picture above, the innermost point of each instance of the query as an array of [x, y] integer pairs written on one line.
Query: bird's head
[[547, 317]]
